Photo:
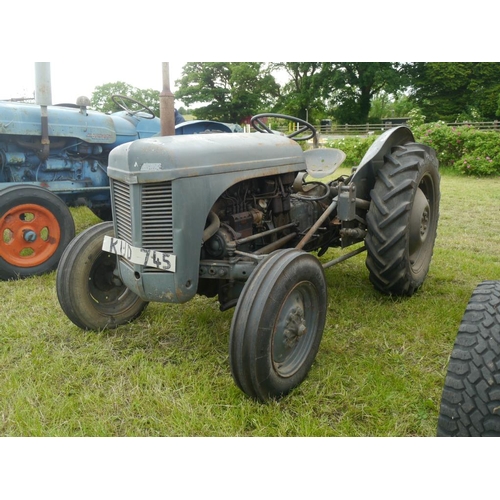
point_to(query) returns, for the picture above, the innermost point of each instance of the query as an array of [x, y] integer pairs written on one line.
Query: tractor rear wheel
[[278, 324], [35, 228], [470, 403], [402, 219], [89, 292]]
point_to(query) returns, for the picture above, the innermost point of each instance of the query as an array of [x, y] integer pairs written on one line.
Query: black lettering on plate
[[112, 245], [147, 257], [167, 265]]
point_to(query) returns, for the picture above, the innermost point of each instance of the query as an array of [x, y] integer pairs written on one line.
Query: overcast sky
[[73, 79]]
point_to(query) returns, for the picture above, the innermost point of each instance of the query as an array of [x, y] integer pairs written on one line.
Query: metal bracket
[[346, 209]]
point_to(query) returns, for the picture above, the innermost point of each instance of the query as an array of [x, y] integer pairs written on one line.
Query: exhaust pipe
[[167, 118], [43, 97]]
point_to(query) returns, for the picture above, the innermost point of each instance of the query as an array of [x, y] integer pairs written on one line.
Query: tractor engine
[[70, 164], [258, 216], [255, 207]]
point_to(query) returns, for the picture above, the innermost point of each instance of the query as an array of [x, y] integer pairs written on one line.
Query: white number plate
[[141, 256]]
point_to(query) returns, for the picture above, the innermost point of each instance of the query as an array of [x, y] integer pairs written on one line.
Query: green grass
[[379, 371]]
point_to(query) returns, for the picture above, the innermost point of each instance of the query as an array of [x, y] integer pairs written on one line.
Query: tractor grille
[[156, 210], [123, 219], [156, 215]]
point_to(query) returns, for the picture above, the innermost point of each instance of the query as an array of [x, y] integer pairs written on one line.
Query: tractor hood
[[73, 121], [185, 156]]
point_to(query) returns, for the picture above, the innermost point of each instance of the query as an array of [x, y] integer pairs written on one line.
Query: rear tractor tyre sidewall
[[35, 228], [89, 292], [402, 219], [278, 324]]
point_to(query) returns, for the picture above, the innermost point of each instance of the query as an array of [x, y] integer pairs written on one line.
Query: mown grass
[[379, 371]]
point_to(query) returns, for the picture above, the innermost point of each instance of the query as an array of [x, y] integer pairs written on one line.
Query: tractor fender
[[366, 172]]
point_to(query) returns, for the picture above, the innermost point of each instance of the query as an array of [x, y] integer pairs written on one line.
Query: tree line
[[351, 93]]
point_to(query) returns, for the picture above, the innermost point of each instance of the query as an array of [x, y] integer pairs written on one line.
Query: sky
[[71, 79], [116, 46]]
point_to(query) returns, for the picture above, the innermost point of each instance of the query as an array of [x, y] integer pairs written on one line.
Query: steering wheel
[[257, 124], [120, 100]]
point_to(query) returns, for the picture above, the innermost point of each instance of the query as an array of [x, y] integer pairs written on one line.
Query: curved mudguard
[[364, 177]]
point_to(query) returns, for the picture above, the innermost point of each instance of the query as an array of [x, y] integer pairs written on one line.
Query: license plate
[[141, 256]]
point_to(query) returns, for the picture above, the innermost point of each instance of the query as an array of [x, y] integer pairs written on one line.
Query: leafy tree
[[228, 91], [485, 89], [301, 96], [386, 105], [452, 91], [101, 97], [351, 87]]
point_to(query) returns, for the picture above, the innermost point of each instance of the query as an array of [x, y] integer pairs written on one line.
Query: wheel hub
[[29, 236], [295, 327], [104, 286], [419, 221]]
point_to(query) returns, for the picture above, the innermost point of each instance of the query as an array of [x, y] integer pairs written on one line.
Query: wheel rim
[[105, 287], [294, 328], [421, 223], [30, 235]]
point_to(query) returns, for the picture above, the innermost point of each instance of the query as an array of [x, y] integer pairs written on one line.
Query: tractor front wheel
[[278, 324], [402, 220], [89, 292], [35, 228]]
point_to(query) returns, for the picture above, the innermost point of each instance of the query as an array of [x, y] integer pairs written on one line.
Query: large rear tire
[[402, 220], [35, 228], [89, 292], [470, 403], [278, 324]]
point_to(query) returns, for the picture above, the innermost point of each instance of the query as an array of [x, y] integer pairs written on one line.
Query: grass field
[[379, 371]]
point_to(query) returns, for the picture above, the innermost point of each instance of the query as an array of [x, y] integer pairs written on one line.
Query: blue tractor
[[56, 156], [52, 157]]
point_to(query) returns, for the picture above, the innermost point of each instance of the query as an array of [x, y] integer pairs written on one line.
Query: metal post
[[167, 117]]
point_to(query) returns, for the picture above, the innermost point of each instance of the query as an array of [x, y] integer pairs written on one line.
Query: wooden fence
[[371, 128]]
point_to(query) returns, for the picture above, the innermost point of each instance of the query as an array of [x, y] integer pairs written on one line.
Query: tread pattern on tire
[[470, 402], [388, 218]]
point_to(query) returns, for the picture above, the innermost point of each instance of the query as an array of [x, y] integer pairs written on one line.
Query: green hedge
[[354, 148], [463, 149]]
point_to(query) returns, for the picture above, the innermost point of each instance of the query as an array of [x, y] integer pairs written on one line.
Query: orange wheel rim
[[29, 235]]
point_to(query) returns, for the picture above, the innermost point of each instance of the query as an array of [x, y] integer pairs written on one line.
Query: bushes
[[354, 148], [462, 149]]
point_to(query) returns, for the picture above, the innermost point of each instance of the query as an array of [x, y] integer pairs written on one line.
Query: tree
[[228, 91], [389, 105], [101, 97], [302, 95], [352, 86], [453, 91]]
